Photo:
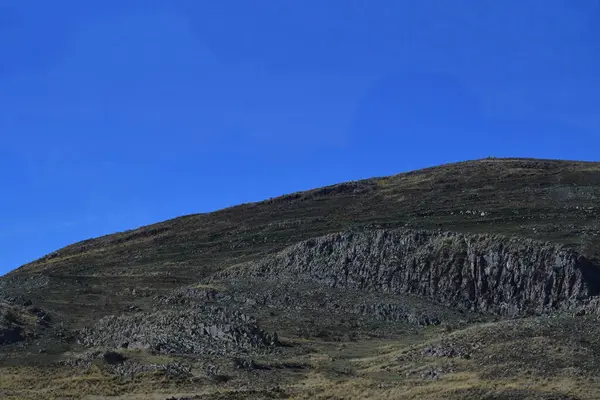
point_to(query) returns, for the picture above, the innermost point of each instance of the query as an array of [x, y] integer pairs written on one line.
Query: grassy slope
[[533, 358], [545, 199]]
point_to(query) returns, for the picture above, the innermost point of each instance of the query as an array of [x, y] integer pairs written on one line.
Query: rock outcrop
[[20, 321], [485, 273], [283, 296], [10, 333], [199, 330]]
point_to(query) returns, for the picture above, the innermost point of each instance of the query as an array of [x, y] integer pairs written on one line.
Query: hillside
[[324, 289]]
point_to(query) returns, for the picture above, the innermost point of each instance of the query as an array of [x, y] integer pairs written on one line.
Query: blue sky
[[116, 114]]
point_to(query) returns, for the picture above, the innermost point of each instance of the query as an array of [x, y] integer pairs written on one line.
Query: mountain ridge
[[157, 228], [461, 271]]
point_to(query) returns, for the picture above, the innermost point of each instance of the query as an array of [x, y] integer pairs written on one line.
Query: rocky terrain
[[19, 322], [486, 273], [475, 280]]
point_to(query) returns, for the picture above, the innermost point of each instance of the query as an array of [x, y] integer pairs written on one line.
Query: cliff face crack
[[487, 273]]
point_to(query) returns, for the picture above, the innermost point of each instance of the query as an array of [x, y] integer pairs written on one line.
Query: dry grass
[[511, 361], [69, 383], [452, 386], [532, 359]]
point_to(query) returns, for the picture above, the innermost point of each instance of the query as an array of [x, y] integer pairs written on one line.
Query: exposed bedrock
[[489, 273]]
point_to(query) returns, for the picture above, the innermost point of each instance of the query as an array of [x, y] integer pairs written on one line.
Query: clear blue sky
[[116, 114]]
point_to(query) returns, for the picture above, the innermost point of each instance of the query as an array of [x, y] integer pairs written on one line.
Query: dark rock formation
[[10, 334], [20, 320], [200, 330], [488, 273], [305, 294], [396, 312], [113, 358]]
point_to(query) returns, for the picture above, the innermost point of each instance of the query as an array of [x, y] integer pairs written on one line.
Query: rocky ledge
[[482, 273]]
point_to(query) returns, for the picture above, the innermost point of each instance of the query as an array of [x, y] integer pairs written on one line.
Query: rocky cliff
[[488, 273]]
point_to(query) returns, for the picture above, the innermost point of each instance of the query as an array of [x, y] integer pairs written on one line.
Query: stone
[[194, 330], [112, 358], [472, 272]]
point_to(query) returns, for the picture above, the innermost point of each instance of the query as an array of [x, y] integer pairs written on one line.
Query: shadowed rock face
[[488, 273], [20, 320], [10, 334]]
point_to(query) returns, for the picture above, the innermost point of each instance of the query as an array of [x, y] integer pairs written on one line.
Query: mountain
[[477, 279]]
